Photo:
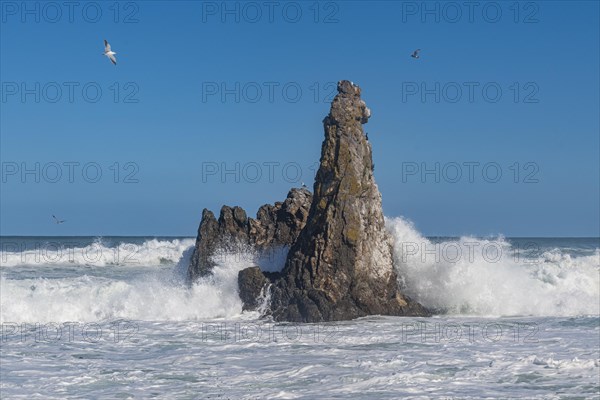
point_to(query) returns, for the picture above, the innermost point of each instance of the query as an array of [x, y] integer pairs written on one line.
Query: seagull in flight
[[415, 53], [109, 53], [58, 221]]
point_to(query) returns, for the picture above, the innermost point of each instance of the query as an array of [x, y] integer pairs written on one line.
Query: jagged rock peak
[[340, 263], [275, 225], [341, 267]]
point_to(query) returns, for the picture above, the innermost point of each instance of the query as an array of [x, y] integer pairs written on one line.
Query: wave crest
[[490, 277]]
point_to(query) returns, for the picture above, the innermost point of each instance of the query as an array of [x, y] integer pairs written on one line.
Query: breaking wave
[[492, 277], [465, 276]]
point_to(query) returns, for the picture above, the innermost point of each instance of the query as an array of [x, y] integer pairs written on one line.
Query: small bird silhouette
[[304, 186], [109, 53], [58, 221], [415, 53]]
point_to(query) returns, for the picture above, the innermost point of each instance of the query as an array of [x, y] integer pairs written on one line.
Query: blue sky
[[501, 87]]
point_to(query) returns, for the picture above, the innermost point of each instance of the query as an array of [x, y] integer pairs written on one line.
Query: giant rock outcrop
[[339, 265]]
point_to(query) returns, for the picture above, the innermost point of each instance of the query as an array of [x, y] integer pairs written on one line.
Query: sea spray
[[489, 277], [561, 280], [143, 293]]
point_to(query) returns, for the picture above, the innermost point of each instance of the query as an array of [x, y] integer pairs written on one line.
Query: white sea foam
[[456, 277], [142, 291], [154, 294], [149, 253], [486, 277], [362, 359], [178, 341]]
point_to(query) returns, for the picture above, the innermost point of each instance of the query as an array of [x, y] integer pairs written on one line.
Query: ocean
[[112, 317]]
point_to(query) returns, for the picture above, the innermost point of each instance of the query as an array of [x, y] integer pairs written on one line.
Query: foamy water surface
[[113, 317]]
